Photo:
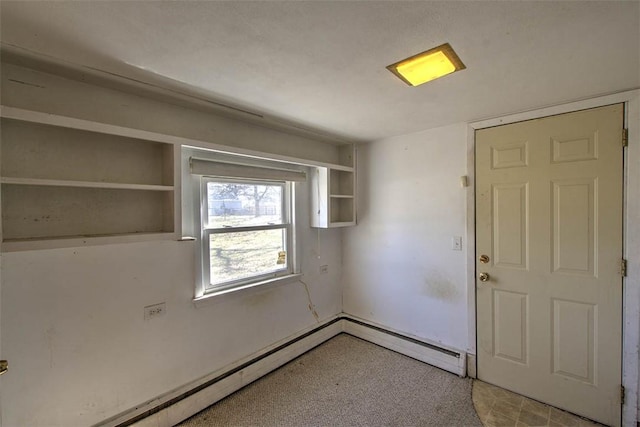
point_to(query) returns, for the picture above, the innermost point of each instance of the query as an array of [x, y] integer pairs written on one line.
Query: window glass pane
[[239, 255], [241, 205]]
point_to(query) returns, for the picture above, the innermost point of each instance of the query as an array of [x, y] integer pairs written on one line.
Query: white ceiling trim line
[[592, 102]]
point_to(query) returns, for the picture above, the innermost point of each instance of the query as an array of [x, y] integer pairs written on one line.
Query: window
[[241, 210], [247, 232]]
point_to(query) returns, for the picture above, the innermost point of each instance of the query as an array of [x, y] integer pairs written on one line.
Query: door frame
[[631, 234]]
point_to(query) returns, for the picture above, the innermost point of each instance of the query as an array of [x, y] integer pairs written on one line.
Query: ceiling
[[321, 65]]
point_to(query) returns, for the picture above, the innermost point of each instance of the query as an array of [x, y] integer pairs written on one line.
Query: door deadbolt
[[484, 259], [484, 277]]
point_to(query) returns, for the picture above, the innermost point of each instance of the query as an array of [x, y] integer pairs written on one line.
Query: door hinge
[[623, 267], [622, 395], [625, 137]]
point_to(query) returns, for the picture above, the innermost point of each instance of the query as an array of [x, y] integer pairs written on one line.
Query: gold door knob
[[4, 366], [484, 277], [484, 259]]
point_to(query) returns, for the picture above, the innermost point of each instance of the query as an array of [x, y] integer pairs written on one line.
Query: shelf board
[[341, 224], [84, 184], [28, 244], [341, 168], [341, 196]]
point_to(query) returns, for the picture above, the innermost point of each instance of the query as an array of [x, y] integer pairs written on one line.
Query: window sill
[[245, 290]]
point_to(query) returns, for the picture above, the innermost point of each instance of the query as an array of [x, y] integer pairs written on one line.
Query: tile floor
[[497, 407]]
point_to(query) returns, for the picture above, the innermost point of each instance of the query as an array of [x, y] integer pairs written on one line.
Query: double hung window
[[246, 231], [243, 213]]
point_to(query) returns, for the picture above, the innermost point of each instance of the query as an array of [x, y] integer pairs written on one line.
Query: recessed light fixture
[[427, 66]]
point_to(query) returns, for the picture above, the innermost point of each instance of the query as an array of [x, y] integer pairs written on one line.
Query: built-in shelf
[[333, 193], [341, 211], [69, 182], [345, 161], [15, 245], [342, 224]]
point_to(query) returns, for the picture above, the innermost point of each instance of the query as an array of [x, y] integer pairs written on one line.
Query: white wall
[[72, 319], [399, 270]]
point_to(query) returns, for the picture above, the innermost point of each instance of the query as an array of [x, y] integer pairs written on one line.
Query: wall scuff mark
[[50, 334], [26, 83]]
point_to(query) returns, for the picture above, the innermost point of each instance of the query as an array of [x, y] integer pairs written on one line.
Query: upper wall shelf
[[69, 182], [333, 193], [345, 163]]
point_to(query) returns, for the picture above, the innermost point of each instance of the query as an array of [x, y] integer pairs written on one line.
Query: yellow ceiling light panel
[[427, 66]]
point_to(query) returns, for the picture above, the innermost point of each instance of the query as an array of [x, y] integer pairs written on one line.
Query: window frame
[[288, 225]]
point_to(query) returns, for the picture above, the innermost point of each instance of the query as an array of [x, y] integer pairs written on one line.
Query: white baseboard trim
[[183, 402], [180, 404], [450, 360], [195, 403]]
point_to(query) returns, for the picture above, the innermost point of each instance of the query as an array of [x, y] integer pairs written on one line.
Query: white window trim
[[222, 296], [192, 208], [287, 225]]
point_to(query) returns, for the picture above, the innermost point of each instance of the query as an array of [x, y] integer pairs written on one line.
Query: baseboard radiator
[[450, 360], [180, 404]]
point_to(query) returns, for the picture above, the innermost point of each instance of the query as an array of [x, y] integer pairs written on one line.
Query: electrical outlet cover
[[153, 311]]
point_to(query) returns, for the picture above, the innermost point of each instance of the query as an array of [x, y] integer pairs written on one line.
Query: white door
[[549, 221], [2, 368]]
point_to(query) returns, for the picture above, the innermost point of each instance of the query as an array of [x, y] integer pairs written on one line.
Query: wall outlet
[[456, 243], [324, 269], [153, 311]]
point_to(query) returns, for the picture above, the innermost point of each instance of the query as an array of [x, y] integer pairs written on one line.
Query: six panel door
[[549, 219]]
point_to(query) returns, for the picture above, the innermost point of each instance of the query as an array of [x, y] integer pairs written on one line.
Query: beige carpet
[[347, 382]]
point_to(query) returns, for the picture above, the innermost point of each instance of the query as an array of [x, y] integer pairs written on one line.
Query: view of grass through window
[[239, 245]]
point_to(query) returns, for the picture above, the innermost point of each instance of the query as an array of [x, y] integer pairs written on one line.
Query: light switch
[[456, 243]]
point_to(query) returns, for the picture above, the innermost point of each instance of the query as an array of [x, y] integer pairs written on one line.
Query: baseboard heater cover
[[156, 411], [444, 358], [178, 408]]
